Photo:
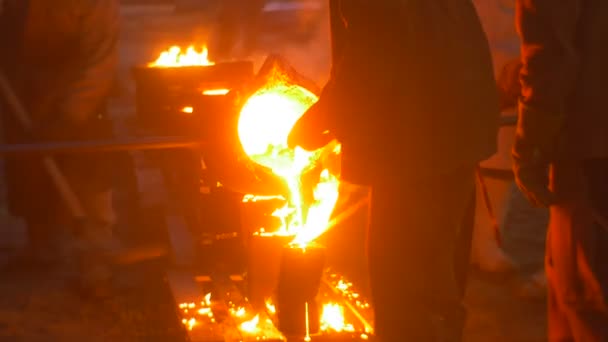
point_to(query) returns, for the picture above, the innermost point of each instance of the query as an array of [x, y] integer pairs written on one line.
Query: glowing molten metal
[[174, 57], [265, 122], [332, 319]]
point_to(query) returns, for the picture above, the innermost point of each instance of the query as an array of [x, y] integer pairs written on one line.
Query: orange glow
[[252, 325], [215, 92], [188, 110], [265, 122], [175, 57], [270, 307], [332, 318], [203, 311], [189, 323]]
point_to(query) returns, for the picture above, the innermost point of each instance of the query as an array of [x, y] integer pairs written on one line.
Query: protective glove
[[312, 130], [509, 87], [533, 151]]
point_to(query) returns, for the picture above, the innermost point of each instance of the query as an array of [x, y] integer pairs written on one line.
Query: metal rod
[[76, 147]]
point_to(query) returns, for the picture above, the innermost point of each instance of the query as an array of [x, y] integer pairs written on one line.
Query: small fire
[[252, 325], [270, 307], [332, 319], [265, 122], [216, 92], [204, 312], [189, 323], [175, 57], [240, 312]]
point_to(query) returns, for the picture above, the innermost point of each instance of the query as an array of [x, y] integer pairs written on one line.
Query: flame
[[332, 318], [189, 323], [265, 122], [174, 57], [252, 325], [216, 92], [205, 314], [188, 110], [240, 312], [270, 307]]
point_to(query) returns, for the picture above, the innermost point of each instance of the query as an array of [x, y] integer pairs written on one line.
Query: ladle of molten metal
[[279, 100]]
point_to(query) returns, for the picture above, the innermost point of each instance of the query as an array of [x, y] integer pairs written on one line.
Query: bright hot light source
[[332, 318], [175, 57], [265, 122], [252, 325], [215, 92]]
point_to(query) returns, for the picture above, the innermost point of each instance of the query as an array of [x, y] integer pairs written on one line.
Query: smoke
[[307, 46]]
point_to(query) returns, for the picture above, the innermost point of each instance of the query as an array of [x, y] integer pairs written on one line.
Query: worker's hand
[[311, 131], [533, 151]]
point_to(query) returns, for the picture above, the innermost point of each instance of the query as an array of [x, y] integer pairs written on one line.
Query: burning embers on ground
[[337, 316]]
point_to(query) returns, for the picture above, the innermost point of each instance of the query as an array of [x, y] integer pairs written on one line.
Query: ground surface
[[36, 305]]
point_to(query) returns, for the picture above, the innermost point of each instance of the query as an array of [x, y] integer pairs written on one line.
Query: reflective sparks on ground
[[194, 313]]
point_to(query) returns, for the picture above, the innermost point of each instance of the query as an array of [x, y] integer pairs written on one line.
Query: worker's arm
[[547, 29], [311, 130], [548, 78], [94, 77], [338, 41]]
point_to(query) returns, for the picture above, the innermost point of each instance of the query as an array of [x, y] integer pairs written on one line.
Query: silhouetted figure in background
[[563, 125], [61, 58]]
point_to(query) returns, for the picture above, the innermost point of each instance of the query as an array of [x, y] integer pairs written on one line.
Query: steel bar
[[74, 147], [128, 144], [63, 186]]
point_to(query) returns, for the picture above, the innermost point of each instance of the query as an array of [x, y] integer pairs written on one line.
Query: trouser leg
[[413, 238], [464, 245], [577, 248], [95, 243]]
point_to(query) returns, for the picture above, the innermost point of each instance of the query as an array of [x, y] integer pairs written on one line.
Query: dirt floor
[[37, 305]]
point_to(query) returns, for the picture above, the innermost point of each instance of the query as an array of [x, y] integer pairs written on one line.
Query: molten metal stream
[[265, 122]]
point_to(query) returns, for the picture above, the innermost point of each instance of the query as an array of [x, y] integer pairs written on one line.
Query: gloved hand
[[312, 130], [509, 87], [533, 151]]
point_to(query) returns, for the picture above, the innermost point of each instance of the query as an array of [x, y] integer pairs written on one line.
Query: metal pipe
[[129, 144], [75, 147]]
